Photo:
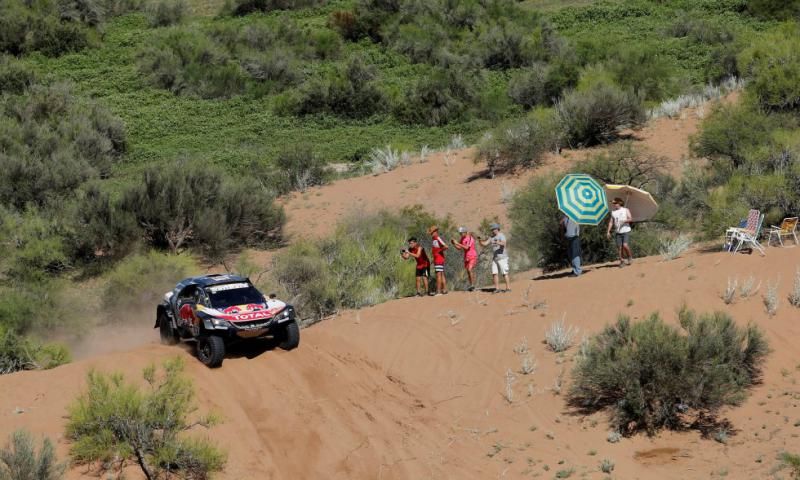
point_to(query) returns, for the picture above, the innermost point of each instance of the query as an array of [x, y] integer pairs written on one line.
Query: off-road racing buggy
[[220, 310]]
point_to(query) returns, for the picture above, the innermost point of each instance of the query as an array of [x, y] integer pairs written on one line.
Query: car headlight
[[218, 322], [286, 314]]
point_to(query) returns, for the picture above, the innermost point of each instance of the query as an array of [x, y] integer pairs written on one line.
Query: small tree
[[118, 422], [19, 460]]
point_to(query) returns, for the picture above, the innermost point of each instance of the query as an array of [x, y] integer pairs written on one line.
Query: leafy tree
[[115, 422]]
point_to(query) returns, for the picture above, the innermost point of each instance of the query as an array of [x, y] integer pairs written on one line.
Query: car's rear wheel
[[168, 334], [211, 350], [290, 336]]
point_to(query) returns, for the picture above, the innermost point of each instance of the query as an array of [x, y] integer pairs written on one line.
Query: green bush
[[777, 9], [22, 353], [646, 72], [520, 144], [186, 62], [439, 98], [52, 143], [163, 13], [245, 7], [792, 462], [32, 245], [98, 228], [191, 204], [597, 114], [19, 460], [772, 66], [529, 87], [297, 168], [351, 90], [52, 28], [732, 134], [15, 76], [115, 421], [140, 281], [505, 44], [649, 373]]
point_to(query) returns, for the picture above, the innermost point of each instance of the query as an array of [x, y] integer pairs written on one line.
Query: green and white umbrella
[[582, 199]]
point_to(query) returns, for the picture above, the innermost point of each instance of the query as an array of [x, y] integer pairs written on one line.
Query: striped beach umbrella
[[582, 199]]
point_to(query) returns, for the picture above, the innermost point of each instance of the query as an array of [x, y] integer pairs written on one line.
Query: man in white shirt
[[620, 221], [499, 257], [572, 234]]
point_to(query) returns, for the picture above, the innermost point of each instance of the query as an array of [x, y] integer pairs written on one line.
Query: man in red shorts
[[467, 245], [416, 251], [438, 247]]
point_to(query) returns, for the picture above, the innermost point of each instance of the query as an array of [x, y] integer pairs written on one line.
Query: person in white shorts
[[499, 257]]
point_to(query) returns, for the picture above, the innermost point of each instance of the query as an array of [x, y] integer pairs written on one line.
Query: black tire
[[168, 334], [290, 336], [211, 350]]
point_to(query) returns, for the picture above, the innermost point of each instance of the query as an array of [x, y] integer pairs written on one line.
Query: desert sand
[[414, 388]]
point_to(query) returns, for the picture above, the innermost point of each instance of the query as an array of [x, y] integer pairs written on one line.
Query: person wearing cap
[[620, 221], [571, 231], [499, 257], [467, 245], [438, 247]]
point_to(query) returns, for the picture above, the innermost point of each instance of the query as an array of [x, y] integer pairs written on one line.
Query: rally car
[[219, 310]]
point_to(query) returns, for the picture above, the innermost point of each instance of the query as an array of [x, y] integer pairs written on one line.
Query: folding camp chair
[[749, 238], [750, 225], [788, 228]]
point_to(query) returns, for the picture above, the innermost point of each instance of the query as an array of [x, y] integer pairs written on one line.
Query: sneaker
[[419, 294], [437, 294], [471, 288], [445, 292], [431, 294]]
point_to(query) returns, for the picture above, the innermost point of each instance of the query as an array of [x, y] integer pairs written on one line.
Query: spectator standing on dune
[[438, 247], [416, 252], [499, 257], [572, 232], [467, 245], [620, 221]]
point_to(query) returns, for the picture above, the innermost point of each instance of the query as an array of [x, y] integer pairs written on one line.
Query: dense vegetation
[[651, 375]]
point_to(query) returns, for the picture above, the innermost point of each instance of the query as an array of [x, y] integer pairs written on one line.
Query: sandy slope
[[413, 388], [444, 187]]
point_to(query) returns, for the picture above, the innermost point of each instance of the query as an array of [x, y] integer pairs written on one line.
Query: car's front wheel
[[211, 350], [168, 334], [290, 336]]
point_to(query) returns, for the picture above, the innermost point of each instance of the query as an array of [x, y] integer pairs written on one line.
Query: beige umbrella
[[639, 202]]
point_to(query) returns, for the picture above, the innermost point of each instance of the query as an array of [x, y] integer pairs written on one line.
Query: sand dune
[[413, 388]]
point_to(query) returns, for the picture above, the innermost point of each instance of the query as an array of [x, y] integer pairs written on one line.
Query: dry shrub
[[648, 373]]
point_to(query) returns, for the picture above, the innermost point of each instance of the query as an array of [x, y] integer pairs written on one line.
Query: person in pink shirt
[[467, 245]]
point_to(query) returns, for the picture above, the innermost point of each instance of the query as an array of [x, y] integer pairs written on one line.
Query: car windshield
[[224, 296]]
